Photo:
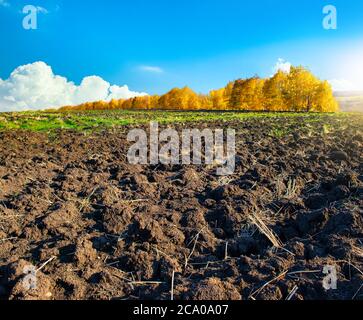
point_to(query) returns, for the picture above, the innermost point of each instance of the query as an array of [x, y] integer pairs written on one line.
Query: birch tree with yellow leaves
[[298, 90], [275, 92]]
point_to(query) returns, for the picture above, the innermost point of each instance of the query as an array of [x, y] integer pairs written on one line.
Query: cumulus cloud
[[282, 65], [35, 86], [153, 69]]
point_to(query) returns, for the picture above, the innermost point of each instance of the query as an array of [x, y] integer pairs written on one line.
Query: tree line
[[298, 91]]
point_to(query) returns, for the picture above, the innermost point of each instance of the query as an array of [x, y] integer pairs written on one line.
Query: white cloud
[[42, 10], [153, 69], [282, 65], [4, 3], [35, 86], [116, 92]]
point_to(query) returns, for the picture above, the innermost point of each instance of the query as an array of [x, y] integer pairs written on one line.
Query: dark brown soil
[[119, 231]]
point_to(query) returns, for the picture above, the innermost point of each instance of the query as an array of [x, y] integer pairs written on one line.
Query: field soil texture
[[94, 226]]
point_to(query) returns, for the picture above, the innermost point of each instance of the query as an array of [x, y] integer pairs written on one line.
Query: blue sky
[[153, 46]]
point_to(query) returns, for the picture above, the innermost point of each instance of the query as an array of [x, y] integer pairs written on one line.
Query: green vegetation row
[[93, 120]]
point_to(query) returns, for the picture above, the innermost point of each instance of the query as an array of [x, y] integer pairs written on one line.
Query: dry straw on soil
[[258, 220]]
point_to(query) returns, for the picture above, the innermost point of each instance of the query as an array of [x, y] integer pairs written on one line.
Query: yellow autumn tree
[[298, 90], [154, 102], [301, 89], [219, 99], [205, 102], [235, 101], [247, 94], [324, 100], [142, 103], [115, 104], [228, 90], [274, 91], [182, 99]]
